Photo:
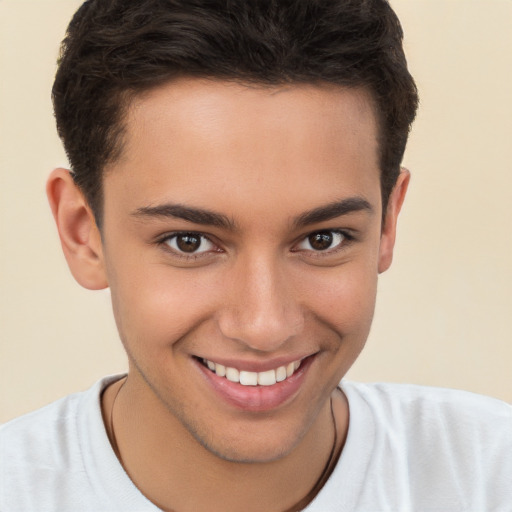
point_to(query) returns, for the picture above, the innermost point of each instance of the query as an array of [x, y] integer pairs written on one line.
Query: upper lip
[[256, 366]]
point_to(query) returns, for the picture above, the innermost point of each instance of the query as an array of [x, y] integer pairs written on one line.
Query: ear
[[388, 235], [78, 232]]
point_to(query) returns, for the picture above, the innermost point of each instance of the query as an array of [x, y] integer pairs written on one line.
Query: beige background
[[444, 314]]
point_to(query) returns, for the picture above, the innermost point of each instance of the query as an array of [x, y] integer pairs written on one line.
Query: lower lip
[[257, 398]]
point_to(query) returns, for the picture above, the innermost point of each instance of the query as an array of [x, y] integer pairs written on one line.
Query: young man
[[236, 183]]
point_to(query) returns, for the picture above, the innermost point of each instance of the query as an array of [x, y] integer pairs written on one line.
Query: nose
[[261, 310]]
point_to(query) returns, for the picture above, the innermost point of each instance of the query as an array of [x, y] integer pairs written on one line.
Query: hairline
[[127, 97]]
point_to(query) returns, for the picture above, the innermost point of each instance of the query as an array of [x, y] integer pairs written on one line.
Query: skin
[[256, 290]]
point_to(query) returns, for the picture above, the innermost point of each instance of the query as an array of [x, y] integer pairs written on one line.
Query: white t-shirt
[[408, 449]]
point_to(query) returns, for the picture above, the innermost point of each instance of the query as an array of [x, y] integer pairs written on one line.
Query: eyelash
[[165, 240], [347, 238]]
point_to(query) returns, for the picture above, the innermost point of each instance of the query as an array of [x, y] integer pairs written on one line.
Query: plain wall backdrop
[[444, 310]]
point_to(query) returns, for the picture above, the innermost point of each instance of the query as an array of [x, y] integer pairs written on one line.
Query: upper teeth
[[268, 378]]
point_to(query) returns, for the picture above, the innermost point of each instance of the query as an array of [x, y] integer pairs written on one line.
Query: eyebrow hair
[[190, 214], [333, 210], [209, 218]]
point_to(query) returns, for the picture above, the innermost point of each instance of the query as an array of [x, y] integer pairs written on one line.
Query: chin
[[249, 452], [251, 444]]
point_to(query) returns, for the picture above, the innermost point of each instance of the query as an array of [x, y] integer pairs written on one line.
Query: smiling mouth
[[245, 378]]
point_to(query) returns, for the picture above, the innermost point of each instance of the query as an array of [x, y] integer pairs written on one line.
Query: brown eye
[[189, 243], [321, 241]]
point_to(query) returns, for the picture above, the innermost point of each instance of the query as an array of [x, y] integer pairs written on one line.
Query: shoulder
[[44, 450], [386, 394], [426, 404], [424, 414], [40, 431], [444, 446], [44, 430]]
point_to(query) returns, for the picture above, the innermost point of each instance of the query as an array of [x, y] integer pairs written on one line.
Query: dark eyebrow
[[333, 210], [190, 214], [209, 218]]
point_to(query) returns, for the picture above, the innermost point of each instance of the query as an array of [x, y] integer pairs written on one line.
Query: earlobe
[[388, 235], [78, 232]]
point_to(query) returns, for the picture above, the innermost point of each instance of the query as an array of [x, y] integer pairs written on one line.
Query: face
[[242, 241]]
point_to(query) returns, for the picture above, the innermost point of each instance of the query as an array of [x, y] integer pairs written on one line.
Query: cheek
[[155, 305], [344, 296]]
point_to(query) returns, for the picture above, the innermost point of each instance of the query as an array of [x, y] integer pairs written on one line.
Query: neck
[[178, 474]]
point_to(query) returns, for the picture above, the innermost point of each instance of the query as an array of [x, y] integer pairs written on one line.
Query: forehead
[[201, 107], [192, 139]]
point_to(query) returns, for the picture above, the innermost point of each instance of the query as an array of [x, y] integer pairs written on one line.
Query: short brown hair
[[116, 49]]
